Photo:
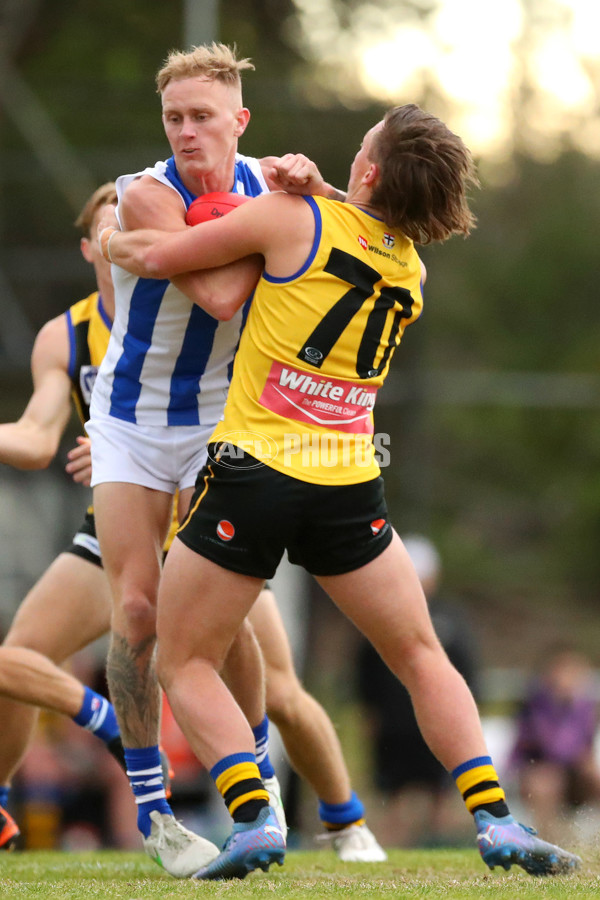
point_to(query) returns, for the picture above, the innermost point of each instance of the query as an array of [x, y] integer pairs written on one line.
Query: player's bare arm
[[33, 440], [278, 226], [293, 173], [149, 204], [146, 203]]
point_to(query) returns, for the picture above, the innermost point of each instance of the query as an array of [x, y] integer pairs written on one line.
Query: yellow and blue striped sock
[[238, 780], [478, 783]]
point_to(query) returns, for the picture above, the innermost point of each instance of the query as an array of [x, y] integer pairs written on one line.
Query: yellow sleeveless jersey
[[317, 347], [89, 331], [88, 326]]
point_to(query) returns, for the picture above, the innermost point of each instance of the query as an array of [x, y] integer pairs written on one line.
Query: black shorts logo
[[225, 530], [378, 525]]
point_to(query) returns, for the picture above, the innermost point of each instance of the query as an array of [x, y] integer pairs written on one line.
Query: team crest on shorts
[[225, 530], [377, 525]]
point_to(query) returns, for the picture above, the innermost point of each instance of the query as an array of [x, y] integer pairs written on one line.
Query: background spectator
[[554, 748]]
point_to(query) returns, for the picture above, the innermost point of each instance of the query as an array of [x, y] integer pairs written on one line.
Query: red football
[[213, 206]]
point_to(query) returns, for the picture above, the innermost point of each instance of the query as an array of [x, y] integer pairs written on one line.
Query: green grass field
[[411, 874]]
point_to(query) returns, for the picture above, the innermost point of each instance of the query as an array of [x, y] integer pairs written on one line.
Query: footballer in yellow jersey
[[88, 326], [88, 331], [298, 421], [313, 356]]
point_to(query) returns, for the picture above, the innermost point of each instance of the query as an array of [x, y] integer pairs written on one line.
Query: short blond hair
[[217, 62], [106, 193]]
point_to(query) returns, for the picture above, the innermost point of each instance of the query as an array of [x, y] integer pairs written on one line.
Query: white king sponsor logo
[[388, 239], [305, 384], [307, 397]]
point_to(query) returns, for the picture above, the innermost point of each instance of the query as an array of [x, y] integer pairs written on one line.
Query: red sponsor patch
[[377, 525], [362, 241], [225, 530], [317, 400]]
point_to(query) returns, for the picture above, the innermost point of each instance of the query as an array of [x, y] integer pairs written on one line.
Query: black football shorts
[[85, 543], [244, 515]]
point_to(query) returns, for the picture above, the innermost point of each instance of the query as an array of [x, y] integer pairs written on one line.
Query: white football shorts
[[161, 457]]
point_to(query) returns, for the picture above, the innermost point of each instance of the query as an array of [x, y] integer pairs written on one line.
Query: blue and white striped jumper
[[168, 362]]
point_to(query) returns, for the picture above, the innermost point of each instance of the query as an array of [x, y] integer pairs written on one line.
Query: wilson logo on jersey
[[363, 242], [388, 240], [225, 530], [377, 525]]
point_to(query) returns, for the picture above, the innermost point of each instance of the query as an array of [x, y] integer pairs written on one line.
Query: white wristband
[[105, 244], [110, 237]]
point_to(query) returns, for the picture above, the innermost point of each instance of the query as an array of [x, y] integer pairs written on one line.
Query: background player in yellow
[[69, 607], [339, 282]]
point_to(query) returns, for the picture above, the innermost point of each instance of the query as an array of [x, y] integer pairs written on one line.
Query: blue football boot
[[251, 845], [503, 841]]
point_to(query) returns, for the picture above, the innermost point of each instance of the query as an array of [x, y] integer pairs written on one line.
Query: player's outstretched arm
[[156, 254], [277, 226], [33, 440], [30, 677], [148, 204]]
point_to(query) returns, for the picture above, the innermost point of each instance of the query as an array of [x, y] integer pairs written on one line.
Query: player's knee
[[136, 615], [176, 665], [411, 659], [283, 699]]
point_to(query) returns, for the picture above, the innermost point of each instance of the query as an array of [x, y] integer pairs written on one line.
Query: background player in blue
[[158, 395]]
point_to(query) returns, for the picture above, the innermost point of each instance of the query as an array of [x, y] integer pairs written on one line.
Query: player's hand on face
[[297, 174], [79, 466]]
